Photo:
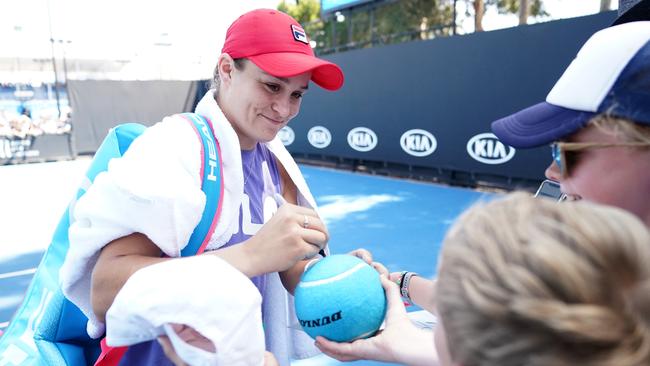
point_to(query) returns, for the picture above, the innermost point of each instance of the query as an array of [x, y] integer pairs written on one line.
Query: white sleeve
[[154, 189]]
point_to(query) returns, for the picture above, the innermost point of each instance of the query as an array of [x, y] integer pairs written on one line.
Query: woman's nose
[[552, 172], [282, 107]]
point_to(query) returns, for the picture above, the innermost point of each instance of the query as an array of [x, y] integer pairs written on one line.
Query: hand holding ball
[[340, 298]]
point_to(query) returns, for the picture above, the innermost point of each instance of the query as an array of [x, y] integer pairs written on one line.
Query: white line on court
[[17, 273]]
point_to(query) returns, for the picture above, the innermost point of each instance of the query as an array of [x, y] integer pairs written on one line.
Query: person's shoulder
[[175, 121], [173, 136], [172, 127]]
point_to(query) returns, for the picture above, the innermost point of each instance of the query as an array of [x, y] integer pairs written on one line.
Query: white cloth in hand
[[203, 292]]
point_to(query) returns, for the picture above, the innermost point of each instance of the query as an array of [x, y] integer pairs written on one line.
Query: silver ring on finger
[[305, 222]]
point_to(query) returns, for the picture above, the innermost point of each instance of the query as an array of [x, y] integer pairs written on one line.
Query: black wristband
[[404, 285]]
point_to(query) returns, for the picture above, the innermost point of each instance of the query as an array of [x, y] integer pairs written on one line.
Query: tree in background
[[479, 11], [306, 12], [394, 21], [605, 5], [378, 22], [524, 8], [408, 20]]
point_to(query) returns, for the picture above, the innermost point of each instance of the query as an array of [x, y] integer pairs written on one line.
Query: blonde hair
[[627, 130], [526, 281]]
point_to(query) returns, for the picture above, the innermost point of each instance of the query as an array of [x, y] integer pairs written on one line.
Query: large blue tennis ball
[[340, 298]]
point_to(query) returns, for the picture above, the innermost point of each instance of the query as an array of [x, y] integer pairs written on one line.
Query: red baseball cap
[[277, 44]]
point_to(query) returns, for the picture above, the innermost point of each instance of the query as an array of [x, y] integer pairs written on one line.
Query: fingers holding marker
[[306, 218], [314, 237], [314, 228], [317, 236]]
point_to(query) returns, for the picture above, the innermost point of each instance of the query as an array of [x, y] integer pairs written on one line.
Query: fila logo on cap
[[487, 149], [418, 142], [299, 34]]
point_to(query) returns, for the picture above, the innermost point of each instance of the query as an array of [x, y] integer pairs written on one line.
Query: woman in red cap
[[142, 211]]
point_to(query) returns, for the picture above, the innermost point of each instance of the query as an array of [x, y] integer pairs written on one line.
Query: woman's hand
[[196, 339], [362, 254], [399, 342], [189, 336], [366, 256], [269, 359], [422, 291], [293, 233]]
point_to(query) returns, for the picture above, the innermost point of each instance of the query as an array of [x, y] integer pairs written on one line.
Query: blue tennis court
[[401, 222]]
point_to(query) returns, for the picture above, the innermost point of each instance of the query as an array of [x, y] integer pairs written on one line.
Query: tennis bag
[[47, 328]]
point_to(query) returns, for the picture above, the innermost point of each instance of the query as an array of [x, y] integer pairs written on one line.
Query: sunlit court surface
[[401, 222]]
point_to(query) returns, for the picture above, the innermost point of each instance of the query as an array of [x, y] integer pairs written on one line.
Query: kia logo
[[362, 139], [418, 142], [319, 137], [287, 136], [486, 148]]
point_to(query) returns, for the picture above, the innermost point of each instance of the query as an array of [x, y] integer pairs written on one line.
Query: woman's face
[[257, 104], [616, 175]]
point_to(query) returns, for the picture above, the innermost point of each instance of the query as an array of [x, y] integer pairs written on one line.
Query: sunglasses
[[565, 154]]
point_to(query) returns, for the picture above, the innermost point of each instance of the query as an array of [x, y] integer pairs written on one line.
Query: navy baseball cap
[[611, 73]]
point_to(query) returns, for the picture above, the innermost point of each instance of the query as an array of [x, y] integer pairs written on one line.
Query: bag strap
[[212, 186]]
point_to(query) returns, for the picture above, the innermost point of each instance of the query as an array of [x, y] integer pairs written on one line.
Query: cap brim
[[539, 125], [324, 73]]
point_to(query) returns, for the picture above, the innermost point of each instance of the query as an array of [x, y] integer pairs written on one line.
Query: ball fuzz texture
[[340, 297]]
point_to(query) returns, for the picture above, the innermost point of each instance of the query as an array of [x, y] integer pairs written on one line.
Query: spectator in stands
[[148, 202], [597, 120], [20, 126], [530, 282], [25, 111], [5, 127]]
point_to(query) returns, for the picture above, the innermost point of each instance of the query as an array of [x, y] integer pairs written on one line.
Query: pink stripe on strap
[[217, 214]]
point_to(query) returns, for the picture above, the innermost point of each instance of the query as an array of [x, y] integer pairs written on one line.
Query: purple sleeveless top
[[261, 182]]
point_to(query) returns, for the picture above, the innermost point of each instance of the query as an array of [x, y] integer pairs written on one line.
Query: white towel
[[203, 292]]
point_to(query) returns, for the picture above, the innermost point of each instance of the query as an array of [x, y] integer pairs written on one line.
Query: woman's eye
[[273, 87], [297, 95]]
